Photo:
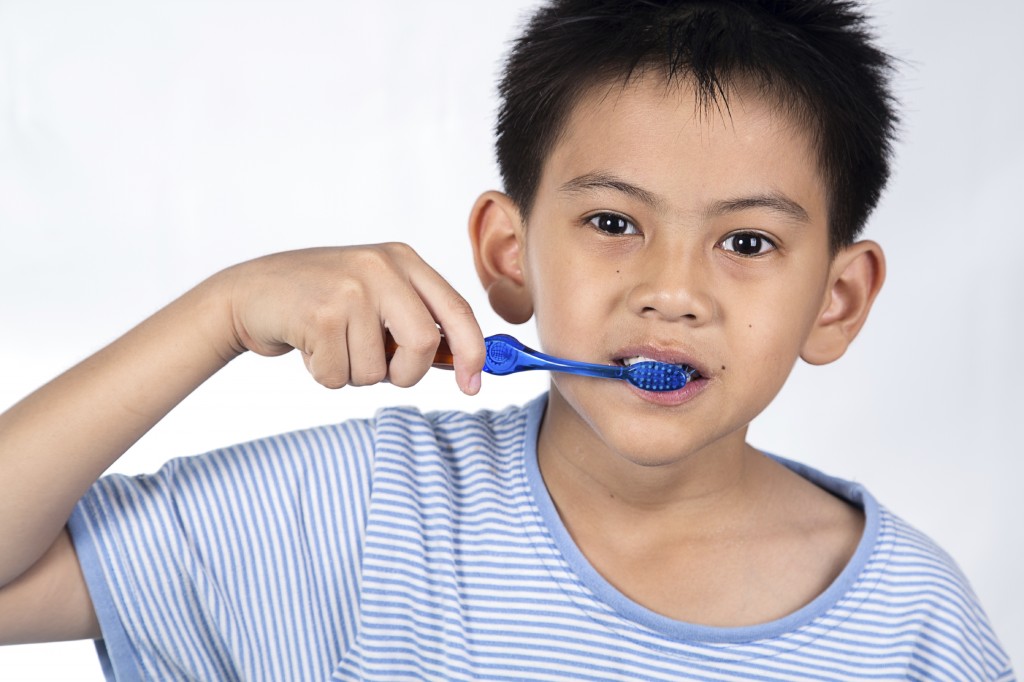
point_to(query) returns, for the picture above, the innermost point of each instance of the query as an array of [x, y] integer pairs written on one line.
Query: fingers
[[367, 364], [343, 346], [416, 347], [341, 300], [461, 330]]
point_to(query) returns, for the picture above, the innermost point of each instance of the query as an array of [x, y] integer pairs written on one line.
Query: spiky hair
[[814, 58]]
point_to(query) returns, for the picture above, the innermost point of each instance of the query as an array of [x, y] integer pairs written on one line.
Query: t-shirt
[[419, 546]]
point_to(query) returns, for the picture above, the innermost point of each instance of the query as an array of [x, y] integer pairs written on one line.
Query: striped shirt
[[425, 546]]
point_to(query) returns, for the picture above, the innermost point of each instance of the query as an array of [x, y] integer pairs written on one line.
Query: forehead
[[661, 137]]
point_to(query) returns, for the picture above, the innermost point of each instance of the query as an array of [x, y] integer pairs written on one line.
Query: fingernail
[[474, 384]]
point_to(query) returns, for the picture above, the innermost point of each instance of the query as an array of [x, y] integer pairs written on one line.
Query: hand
[[333, 305]]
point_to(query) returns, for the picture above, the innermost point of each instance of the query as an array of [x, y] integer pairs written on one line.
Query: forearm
[[57, 441]]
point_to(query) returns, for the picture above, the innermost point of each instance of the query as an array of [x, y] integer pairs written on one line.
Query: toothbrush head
[[659, 376]]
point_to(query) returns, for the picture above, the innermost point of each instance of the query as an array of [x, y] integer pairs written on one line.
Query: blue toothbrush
[[506, 355]]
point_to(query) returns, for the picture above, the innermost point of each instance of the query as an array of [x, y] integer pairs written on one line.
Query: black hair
[[814, 58]]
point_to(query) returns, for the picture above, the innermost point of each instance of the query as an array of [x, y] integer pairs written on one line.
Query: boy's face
[[689, 237]]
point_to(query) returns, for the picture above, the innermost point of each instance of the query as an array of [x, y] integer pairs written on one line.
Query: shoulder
[[342, 454], [905, 593], [915, 586], [914, 560], [447, 443], [915, 565], [451, 431], [414, 418]]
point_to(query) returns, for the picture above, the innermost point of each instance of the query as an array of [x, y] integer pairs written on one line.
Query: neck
[[711, 532], [714, 486]]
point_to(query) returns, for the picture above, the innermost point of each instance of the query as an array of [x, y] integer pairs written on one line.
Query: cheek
[[775, 337], [571, 298], [781, 309]]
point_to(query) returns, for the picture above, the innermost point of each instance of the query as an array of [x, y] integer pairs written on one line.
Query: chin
[[645, 449], [660, 442]]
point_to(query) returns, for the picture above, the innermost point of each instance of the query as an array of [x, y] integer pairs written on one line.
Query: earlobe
[[495, 231], [856, 277]]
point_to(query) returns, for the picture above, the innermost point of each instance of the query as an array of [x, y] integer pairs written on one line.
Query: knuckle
[[459, 305], [398, 249], [375, 259], [372, 260], [332, 381], [476, 355], [405, 380], [369, 375], [325, 308], [424, 342], [351, 288], [325, 322], [333, 378]]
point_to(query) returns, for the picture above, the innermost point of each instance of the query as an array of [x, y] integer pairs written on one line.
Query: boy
[[684, 183]]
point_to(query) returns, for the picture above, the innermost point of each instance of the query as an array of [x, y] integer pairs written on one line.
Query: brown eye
[[748, 244], [613, 224]]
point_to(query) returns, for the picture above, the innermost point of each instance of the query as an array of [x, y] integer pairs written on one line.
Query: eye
[[748, 244], [612, 223]]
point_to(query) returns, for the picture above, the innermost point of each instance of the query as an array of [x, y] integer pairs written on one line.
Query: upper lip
[[660, 353]]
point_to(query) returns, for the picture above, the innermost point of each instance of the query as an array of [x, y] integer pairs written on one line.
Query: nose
[[673, 286]]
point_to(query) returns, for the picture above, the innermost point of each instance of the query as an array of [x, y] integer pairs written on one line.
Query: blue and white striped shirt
[[425, 546]]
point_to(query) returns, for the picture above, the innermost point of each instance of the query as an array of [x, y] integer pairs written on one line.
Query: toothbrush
[[506, 355]]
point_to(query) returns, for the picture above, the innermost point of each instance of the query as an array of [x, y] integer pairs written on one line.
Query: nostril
[[691, 317], [679, 303]]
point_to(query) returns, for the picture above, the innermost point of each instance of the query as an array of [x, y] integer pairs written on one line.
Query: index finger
[[458, 323]]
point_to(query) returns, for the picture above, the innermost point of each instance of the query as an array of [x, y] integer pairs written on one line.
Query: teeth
[[628, 362]]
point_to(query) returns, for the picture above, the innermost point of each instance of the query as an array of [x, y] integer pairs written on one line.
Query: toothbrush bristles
[[659, 376]]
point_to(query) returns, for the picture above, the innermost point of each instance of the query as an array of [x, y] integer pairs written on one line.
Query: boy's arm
[[58, 440], [50, 601], [330, 303]]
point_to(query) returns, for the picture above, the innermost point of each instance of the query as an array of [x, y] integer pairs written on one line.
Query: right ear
[[496, 233]]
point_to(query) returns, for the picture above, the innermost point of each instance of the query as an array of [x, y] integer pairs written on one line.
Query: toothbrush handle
[[443, 358], [506, 355]]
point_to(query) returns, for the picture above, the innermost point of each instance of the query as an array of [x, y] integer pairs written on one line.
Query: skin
[[663, 496]]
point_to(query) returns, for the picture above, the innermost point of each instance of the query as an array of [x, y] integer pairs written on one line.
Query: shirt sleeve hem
[[118, 656]]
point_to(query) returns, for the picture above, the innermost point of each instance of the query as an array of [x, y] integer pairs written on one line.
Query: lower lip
[[671, 398]]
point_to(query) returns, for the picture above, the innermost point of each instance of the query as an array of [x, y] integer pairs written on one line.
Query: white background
[[145, 145]]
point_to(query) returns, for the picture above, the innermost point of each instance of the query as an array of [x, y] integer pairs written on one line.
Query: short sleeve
[[193, 570]]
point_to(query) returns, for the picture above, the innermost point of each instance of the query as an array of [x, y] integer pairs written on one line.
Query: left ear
[[855, 278], [495, 231]]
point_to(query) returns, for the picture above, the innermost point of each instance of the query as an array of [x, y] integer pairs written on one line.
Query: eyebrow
[[594, 181], [772, 201]]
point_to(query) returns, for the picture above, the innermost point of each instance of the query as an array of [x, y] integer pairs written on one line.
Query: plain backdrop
[[144, 145]]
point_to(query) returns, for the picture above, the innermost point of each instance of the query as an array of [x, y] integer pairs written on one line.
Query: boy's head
[[812, 59], [684, 183]]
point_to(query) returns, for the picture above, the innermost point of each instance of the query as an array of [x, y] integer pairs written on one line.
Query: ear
[[496, 232], [855, 278]]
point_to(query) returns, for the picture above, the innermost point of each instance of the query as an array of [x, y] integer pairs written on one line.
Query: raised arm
[[331, 304]]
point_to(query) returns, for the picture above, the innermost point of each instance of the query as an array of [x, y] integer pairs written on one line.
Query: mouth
[[692, 372]]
